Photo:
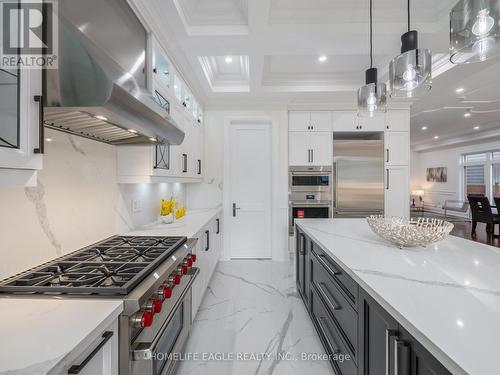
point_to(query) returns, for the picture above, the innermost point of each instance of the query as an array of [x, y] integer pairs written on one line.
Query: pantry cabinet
[[21, 130], [397, 148], [397, 194]]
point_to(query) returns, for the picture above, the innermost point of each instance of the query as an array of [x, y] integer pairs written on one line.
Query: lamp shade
[[474, 31], [372, 96], [410, 72]]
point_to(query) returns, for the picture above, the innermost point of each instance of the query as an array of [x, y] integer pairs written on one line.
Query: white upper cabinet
[[398, 120], [375, 123], [318, 121], [310, 148], [21, 128], [299, 148], [161, 67], [397, 191], [345, 121], [321, 149]]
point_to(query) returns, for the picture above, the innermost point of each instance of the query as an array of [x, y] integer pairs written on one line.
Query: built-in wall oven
[[310, 193]]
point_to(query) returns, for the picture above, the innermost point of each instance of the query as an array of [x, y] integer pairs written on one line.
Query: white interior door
[[249, 191]]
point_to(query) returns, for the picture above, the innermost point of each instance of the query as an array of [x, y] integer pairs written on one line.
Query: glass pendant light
[[474, 31], [373, 95], [411, 72]]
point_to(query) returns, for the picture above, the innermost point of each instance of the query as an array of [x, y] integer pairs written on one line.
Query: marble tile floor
[[252, 309]]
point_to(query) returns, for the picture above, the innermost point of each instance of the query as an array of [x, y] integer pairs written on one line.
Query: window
[[474, 180], [471, 158]]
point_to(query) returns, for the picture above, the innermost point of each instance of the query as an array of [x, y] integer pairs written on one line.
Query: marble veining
[[446, 295], [36, 195], [251, 308], [76, 146]]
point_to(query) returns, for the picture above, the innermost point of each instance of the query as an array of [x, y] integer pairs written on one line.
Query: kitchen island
[[435, 307]]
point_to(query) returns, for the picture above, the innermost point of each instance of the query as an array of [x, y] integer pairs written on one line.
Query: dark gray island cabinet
[[360, 337]]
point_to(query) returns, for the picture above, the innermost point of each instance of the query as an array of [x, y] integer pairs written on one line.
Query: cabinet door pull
[[199, 166], [218, 225], [41, 129], [387, 152], [234, 209], [312, 156], [207, 232], [404, 363], [323, 332], [330, 269], [76, 369], [184, 163], [387, 178], [328, 299], [389, 333]]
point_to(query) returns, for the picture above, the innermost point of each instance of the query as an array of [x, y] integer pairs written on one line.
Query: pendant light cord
[[371, 34], [408, 15]]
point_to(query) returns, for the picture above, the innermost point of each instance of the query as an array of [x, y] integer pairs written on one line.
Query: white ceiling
[[275, 46]]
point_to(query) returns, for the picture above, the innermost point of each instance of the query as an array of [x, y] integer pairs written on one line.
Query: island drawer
[[340, 357], [341, 311], [347, 285]]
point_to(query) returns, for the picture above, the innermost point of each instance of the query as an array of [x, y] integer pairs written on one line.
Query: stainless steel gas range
[[152, 275]]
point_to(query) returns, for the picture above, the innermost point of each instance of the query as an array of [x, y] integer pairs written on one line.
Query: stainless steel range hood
[[99, 89]]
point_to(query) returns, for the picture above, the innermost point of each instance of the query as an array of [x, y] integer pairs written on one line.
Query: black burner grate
[[111, 267]]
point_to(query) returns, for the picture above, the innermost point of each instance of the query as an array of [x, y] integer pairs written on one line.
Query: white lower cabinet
[[208, 252], [397, 194], [100, 357]]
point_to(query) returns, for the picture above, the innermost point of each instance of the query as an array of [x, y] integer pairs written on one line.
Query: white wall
[[437, 193], [210, 193], [77, 202]]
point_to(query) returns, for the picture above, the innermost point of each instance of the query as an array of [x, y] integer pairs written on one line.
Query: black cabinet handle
[[184, 163], [387, 151], [312, 156], [207, 232], [388, 179], [199, 166], [41, 129], [218, 225], [330, 301], [76, 369], [155, 70], [234, 209]]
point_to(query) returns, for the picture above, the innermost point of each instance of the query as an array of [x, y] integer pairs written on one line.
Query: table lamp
[[417, 193]]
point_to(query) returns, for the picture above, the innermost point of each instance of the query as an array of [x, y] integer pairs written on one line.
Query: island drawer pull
[[76, 369], [329, 300], [329, 268], [323, 332], [406, 368]]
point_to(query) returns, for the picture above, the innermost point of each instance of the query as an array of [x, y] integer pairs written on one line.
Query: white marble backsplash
[[76, 202]]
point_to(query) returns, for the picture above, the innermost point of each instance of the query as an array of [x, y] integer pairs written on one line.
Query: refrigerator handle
[[334, 187]]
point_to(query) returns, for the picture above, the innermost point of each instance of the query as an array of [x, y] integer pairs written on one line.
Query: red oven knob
[[145, 320], [156, 306], [184, 270], [167, 291], [193, 257], [190, 262], [176, 279]]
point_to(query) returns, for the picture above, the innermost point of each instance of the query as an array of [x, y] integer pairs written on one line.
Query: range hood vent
[[99, 89]]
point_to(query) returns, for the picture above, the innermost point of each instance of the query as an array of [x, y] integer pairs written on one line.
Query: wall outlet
[[136, 205]]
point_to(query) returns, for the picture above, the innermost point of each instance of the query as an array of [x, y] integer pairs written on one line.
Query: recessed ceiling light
[[152, 139], [48, 139], [133, 131], [228, 59], [436, 137], [476, 128], [322, 58], [467, 114], [459, 90], [99, 117], [424, 128]]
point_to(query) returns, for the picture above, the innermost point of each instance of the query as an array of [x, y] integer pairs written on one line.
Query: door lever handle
[[234, 209]]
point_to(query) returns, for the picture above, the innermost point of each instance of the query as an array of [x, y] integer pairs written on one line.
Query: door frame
[[229, 121]]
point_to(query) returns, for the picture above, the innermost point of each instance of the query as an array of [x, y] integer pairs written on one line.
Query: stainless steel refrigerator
[[358, 177]]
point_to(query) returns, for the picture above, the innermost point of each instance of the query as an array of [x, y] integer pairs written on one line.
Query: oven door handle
[[145, 351]]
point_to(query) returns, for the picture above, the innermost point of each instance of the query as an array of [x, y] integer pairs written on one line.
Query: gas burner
[[111, 267]]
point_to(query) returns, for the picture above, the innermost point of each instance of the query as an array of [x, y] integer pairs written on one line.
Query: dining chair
[[482, 213]]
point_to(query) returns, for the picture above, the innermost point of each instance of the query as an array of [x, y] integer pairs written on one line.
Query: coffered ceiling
[[274, 47]]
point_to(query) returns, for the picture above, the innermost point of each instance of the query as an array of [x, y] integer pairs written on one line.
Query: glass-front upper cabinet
[[178, 86], [9, 108], [161, 67]]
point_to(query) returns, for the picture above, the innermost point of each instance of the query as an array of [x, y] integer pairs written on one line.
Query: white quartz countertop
[[446, 295], [42, 335], [187, 226]]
